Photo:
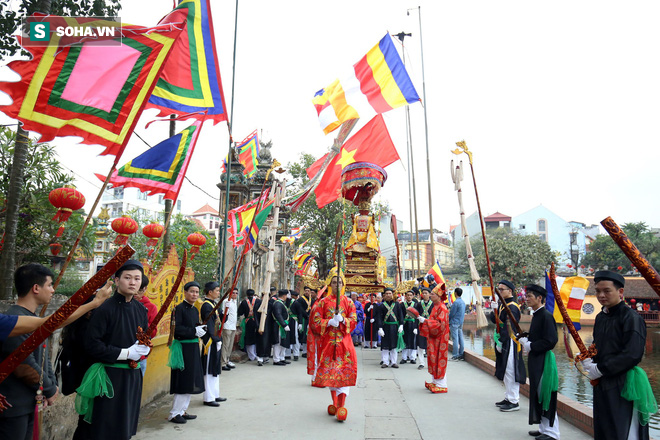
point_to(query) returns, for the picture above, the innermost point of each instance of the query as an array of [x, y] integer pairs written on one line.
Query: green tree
[[519, 258], [604, 253], [321, 224]]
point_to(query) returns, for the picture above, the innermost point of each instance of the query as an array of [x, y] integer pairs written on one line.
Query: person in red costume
[[435, 329], [313, 337], [337, 361]]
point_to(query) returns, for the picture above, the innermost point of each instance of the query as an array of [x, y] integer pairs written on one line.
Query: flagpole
[[223, 232], [169, 204], [80, 234]]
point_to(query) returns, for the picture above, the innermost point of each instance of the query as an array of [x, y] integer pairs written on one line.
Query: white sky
[[557, 100]]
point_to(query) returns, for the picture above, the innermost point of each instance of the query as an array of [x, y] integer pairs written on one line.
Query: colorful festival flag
[[239, 220], [296, 233], [190, 81], [162, 168], [259, 221], [378, 83], [92, 91], [436, 273], [371, 144], [248, 153], [572, 292]]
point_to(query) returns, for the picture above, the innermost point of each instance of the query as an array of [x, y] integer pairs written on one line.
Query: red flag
[[371, 144]]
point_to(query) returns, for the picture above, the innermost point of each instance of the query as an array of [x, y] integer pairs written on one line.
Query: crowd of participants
[[103, 363]]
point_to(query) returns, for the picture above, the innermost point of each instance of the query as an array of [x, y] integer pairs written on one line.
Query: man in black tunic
[[248, 310], [370, 324], [424, 307], [541, 365], [390, 324], [294, 324], [619, 336], [264, 342], [212, 346], [301, 308], [280, 330], [186, 379], [409, 354], [111, 343], [509, 365]]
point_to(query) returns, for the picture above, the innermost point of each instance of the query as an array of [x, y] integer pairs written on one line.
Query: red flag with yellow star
[[371, 144]]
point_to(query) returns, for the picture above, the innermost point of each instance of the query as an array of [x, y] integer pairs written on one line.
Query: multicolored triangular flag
[[248, 153], [190, 81], [162, 168], [92, 91], [240, 218]]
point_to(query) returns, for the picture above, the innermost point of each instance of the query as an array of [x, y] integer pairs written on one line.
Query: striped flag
[[240, 218], [436, 273], [378, 83], [161, 169], [572, 291], [248, 153]]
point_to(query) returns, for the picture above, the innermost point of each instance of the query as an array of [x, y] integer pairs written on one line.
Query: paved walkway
[[273, 402]]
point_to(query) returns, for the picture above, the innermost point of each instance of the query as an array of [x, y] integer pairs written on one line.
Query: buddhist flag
[[436, 273], [93, 91], [371, 144], [378, 83], [295, 235], [248, 153], [572, 291], [162, 168], [190, 81]]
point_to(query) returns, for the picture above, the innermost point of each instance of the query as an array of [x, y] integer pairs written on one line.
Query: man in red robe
[[435, 329], [313, 338], [337, 365]]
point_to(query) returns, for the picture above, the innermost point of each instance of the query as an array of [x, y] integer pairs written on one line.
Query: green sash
[[549, 380], [241, 343], [282, 331], [175, 359], [390, 312], [95, 383], [638, 390]]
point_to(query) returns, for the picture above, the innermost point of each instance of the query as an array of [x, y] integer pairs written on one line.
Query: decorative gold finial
[[463, 148]]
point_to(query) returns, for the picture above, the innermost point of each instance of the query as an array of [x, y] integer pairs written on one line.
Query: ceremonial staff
[[394, 229], [634, 255], [145, 337], [61, 315], [462, 145]]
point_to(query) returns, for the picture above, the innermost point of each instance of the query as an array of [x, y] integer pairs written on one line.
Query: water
[[572, 383]]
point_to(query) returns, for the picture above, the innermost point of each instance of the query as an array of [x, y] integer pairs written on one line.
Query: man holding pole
[[337, 365], [212, 344], [436, 329], [281, 330], [620, 337], [509, 365], [390, 329], [424, 307], [542, 366]]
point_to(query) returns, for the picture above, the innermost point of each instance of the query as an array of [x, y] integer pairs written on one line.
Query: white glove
[[415, 331], [300, 328], [421, 319], [401, 328], [333, 323], [218, 346], [381, 332], [371, 321], [286, 329], [498, 347], [137, 350], [200, 330], [592, 369], [526, 345], [339, 318]]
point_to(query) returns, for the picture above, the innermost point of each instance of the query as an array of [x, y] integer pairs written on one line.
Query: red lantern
[[582, 267], [123, 226], [66, 199], [55, 248], [196, 240], [153, 231], [569, 266], [619, 268]]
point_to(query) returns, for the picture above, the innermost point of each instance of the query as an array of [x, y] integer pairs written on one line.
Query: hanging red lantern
[[123, 226], [619, 268], [153, 232], [569, 266], [196, 240], [55, 248], [66, 199], [582, 267]]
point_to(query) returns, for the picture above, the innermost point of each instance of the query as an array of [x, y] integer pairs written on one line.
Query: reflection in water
[[572, 384]]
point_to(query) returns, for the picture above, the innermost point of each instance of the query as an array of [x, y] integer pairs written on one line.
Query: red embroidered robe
[[337, 358], [436, 331]]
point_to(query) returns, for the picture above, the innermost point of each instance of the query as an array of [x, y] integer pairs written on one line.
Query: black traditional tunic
[[389, 319], [501, 358], [543, 338], [190, 380], [211, 360], [370, 329], [264, 344], [424, 309], [114, 326], [248, 309], [301, 308], [409, 326], [619, 335], [280, 317]]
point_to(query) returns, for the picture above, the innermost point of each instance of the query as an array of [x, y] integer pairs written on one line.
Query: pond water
[[572, 384]]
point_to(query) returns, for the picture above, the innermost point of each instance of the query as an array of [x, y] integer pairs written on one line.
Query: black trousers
[[17, 428]]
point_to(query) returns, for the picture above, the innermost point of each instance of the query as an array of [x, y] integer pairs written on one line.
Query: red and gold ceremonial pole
[[394, 229], [634, 255], [64, 312]]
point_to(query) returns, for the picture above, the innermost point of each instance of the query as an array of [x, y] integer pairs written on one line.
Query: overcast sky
[[557, 100]]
